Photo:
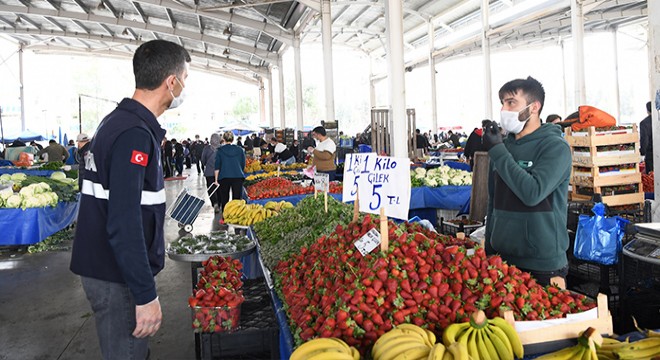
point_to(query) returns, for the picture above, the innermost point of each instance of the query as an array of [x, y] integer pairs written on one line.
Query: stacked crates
[[606, 162]]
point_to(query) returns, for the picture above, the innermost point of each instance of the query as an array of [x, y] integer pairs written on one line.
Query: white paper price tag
[[356, 166], [322, 182], [386, 185], [368, 242]]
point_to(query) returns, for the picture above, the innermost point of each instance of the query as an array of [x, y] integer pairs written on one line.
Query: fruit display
[[237, 212], [424, 278], [440, 176], [216, 301], [335, 187], [289, 175], [485, 338], [217, 242], [407, 341], [252, 165], [325, 349], [276, 187], [648, 183], [300, 226]]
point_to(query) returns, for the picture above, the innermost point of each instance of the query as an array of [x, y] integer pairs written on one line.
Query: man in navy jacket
[[119, 244]]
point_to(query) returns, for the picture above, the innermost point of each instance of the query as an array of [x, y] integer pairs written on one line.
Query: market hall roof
[[244, 38]]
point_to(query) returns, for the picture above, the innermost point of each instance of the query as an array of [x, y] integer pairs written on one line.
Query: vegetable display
[[217, 242], [299, 226], [331, 290], [237, 212], [55, 165], [276, 187], [440, 176], [648, 182]]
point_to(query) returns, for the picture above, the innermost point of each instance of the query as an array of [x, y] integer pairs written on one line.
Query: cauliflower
[[430, 182], [58, 175], [40, 188], [18, 176], [5, 177], [27, 192], [420, 171], [13, 202], [5, 194]]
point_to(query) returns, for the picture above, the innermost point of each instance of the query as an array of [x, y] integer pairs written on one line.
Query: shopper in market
[[208, 160], [646, 139], [553, 119], [196, 149], [54, 151], [474, 142], [422, 144], [324, 153], [527, 184], [119, 246], [167, 158], [281, 153], [178, 157], [83, 145], [229, 165]]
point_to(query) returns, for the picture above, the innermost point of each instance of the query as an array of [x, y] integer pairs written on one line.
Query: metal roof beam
[[107, 29], [53, 4], [55, 23], [243, 4], [359, 15], [272, 30], [119, 40], [170, 17], [78, 17], [133, 33], [8, 22], [81, 26], [200, 24], [139, 10], [30, 21], [111, 7], [81, 6]]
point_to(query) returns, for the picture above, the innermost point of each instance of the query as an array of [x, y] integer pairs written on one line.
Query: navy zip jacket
[[119, 235]]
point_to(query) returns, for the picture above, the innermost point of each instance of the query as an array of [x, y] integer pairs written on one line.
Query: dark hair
[[648, 107], [417, 131], [155, 60], [575, 115], [319, 130], [552, 117], [532, 90], [52, 142], [485, 122]]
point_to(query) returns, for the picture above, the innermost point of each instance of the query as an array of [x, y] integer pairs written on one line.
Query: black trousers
[[167, 167], [233, 184], [215, 198]]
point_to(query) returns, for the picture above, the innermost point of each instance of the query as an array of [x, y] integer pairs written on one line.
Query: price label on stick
[[386, 184], [322, 182], [368, 242], [356, 167]]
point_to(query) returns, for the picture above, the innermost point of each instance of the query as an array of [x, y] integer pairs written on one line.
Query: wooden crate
[[597, 180], [565, 331], [595, 138], [613, 200], [588, 161]]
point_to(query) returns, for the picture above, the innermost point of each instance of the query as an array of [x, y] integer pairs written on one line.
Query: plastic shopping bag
[[598, 237]]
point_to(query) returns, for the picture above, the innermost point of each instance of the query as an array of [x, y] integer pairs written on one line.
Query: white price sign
[[368, 242], [322, 182], [385, 184], [355, 166]]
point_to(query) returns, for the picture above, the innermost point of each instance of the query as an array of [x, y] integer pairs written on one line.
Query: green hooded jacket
[[527, 199]]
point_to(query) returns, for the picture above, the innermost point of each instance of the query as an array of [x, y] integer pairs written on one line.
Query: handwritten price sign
[[380, 181], [322, 182]]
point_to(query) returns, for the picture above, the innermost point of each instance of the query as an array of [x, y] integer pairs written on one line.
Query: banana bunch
[[484, 339], [252, 166], [325, 349], [237, 212], [647, 348], [407, 341], [278, 206], [588, 341]]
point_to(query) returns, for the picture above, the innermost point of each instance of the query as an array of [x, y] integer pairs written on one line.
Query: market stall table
[[30, 226], [28, 172]]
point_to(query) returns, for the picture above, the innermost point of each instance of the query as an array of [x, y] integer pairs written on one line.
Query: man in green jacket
[[527, 184]]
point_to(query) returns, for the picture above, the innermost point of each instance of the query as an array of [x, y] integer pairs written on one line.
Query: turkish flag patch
[[139, 158]]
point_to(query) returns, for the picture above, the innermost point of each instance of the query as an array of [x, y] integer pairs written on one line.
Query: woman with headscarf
[[208, 159]]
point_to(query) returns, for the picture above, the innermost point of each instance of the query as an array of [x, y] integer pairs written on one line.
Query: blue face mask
[[177, 100]]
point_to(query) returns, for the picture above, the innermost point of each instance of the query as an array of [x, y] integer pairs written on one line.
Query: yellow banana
[[305, 350], [501, 342], [393, 351], [489, 346], [459, 351], [472, 345], [388, 347], [447, 356], [356, 353], [341, 342], [330, 355], [437, 352], [569, 353], [511, 333], [431, 336], [481, 347], [640, 353], [449, 335], [416, 353], [412, 328], [610, 341], [465, 336], [385, 337]]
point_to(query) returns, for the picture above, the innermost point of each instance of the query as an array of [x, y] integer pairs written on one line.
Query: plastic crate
[[257, 336], [449, 228], [641, 294], [225, 318]]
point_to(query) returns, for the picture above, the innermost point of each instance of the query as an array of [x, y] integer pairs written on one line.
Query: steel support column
[[280, 73], [298, 77], [577, 29], [397, 81], [485, 45], [434, 103], [326, 22]]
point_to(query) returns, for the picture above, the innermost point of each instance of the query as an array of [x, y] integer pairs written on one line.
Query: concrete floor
[[44, 313]]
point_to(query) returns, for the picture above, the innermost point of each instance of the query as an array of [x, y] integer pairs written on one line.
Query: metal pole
[[397, 79], [80, 112], [2, 130], [434, 103], [22, 86], [563, 72], [654, 73], [262, 101], [270, 99], [298, 77], [280, 70], [617, 90], [372, 85], [577, 29], [485, 45], [326, 21]]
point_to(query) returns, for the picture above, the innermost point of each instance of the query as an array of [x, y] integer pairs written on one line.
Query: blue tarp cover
[[30, 226], [26, 171]]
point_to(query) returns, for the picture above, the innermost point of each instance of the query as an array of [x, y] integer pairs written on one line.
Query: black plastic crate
[[449, 228], [257, 336], [641, 293]]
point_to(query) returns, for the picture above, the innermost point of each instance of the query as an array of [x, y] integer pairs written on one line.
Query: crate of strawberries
[[216, 302]]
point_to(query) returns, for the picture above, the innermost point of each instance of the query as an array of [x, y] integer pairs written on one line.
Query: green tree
[[244, 107]]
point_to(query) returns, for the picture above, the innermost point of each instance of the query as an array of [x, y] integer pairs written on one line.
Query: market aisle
[[44, 313]]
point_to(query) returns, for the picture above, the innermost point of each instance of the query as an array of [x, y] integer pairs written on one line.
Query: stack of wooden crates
[[596, 181]]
